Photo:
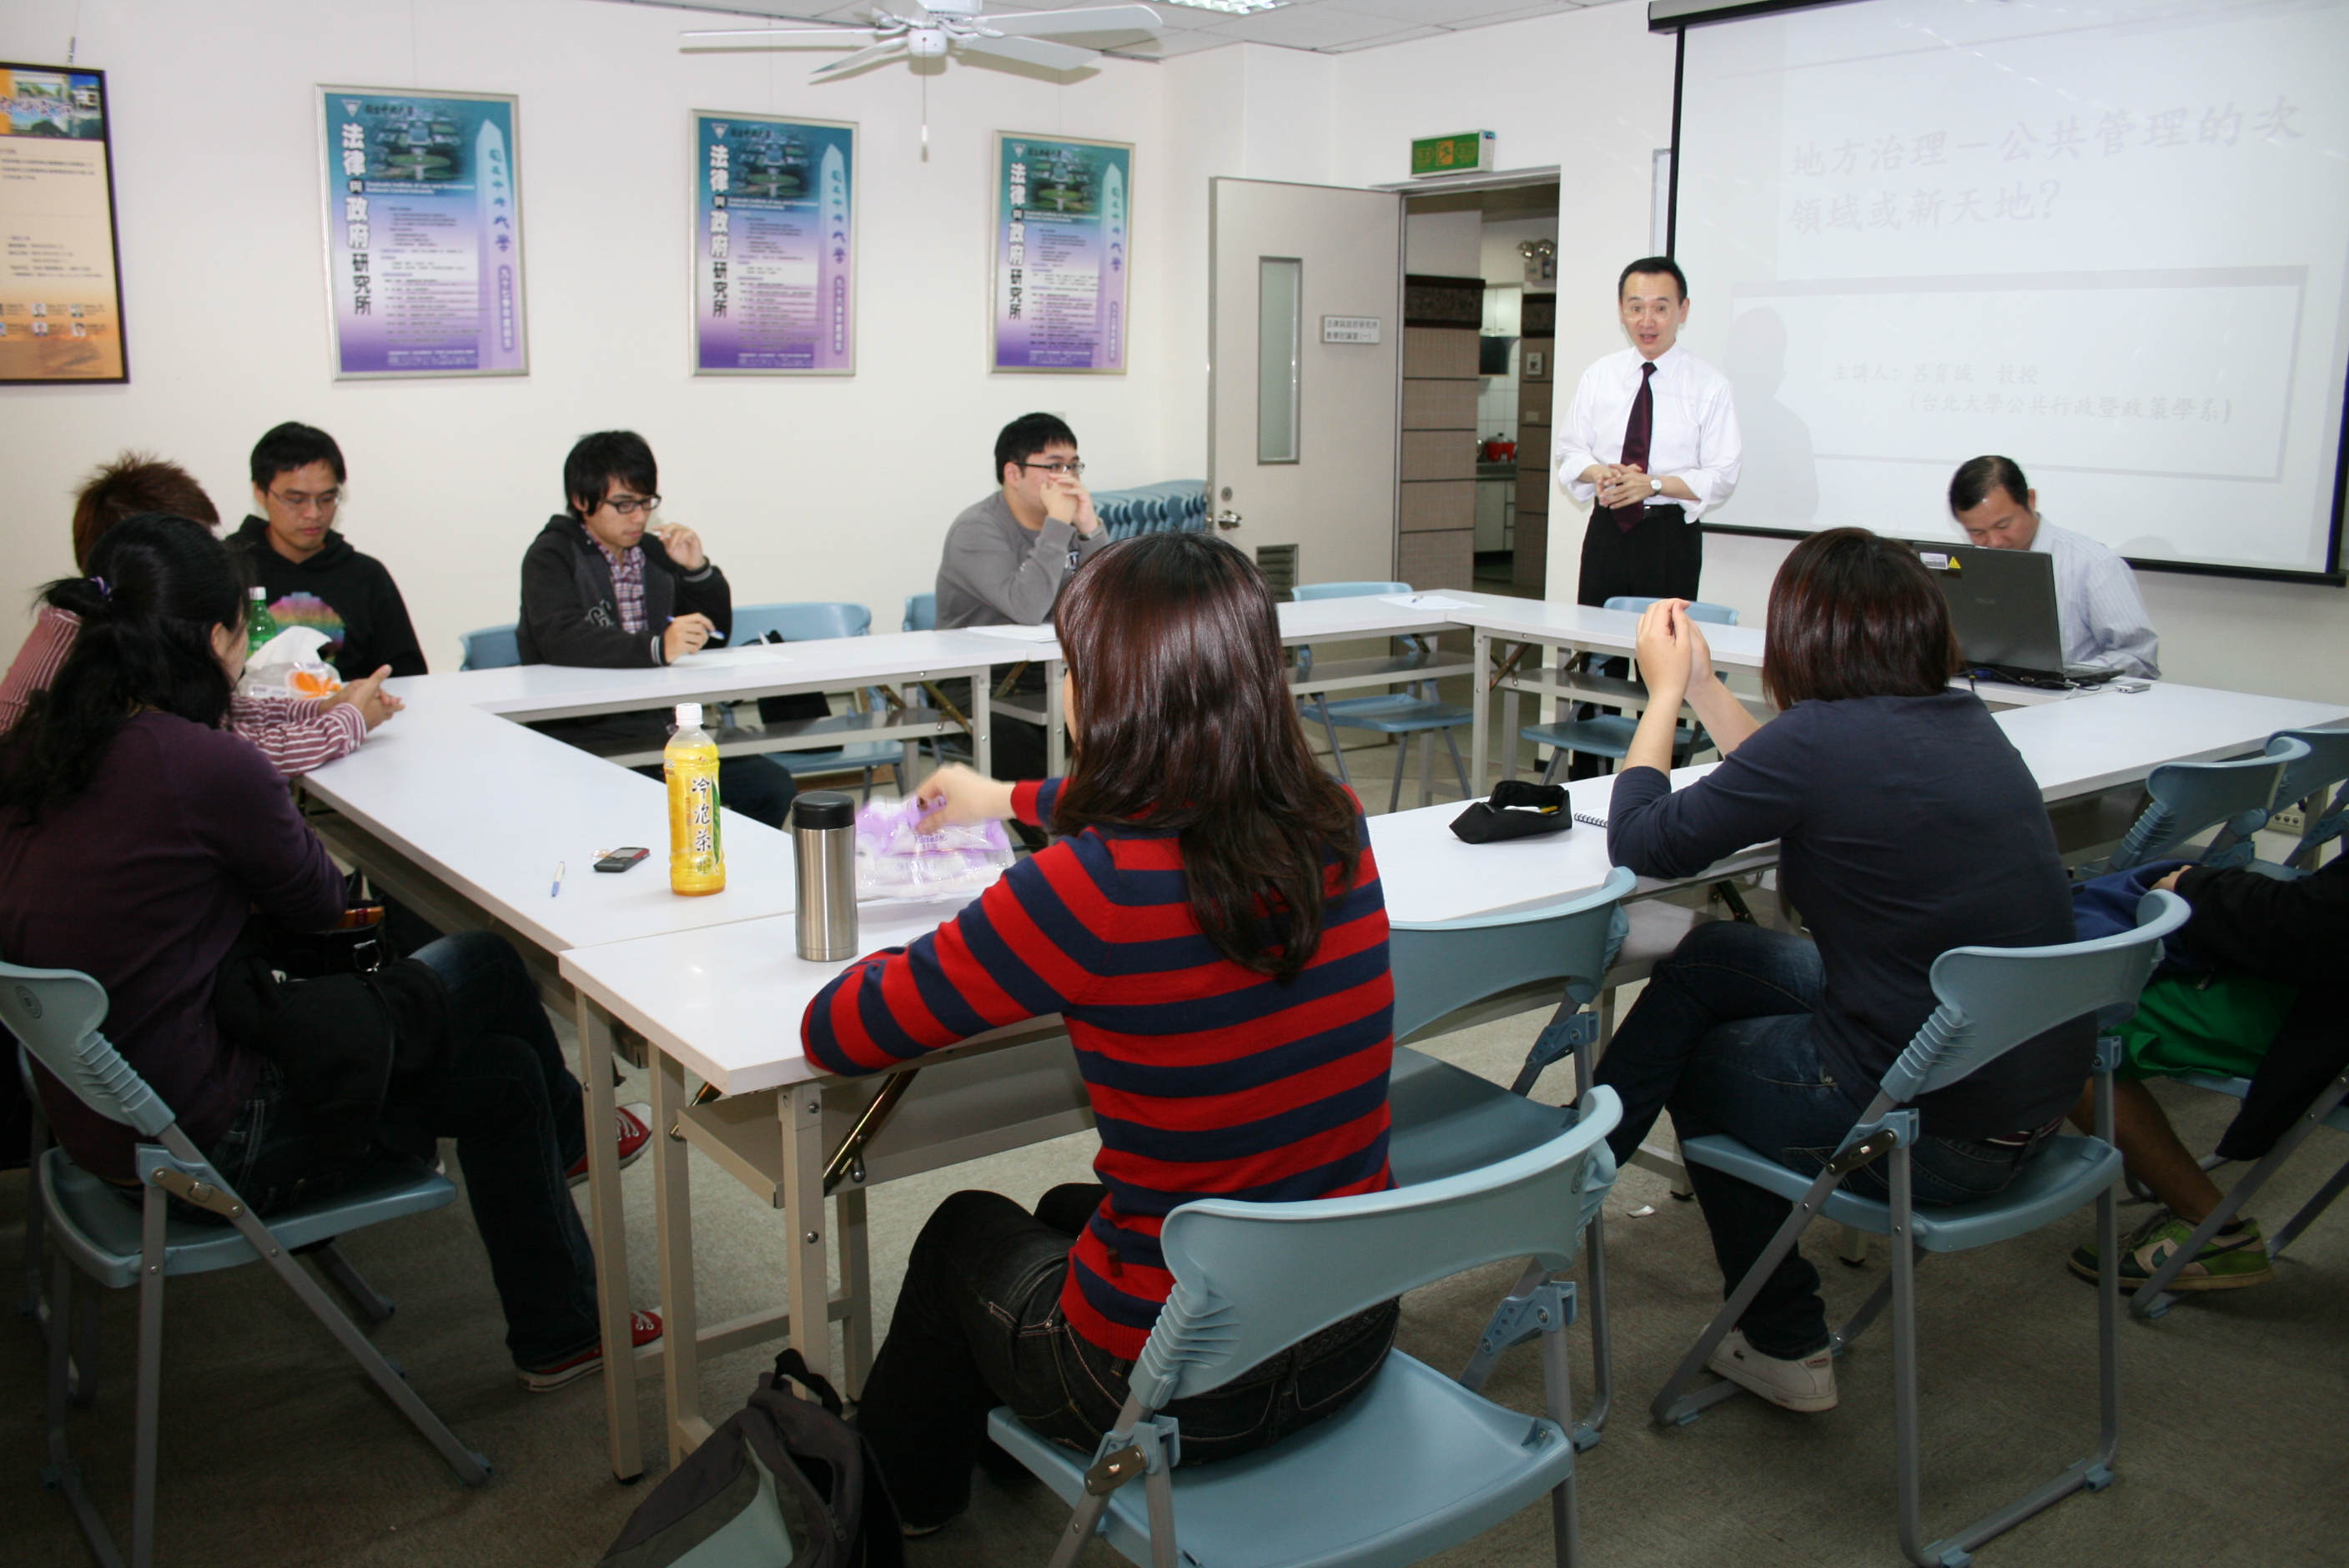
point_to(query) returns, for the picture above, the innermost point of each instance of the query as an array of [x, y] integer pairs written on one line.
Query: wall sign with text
[[423, 211], [774, 246], [60, 282], [1063, 253]]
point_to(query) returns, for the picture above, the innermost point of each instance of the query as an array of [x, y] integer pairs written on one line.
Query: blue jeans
[[1722, 1038], [515, 1112]]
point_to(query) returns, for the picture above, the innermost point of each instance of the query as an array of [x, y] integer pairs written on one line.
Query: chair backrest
[[2188, 797], [1445, 965], [921, 613], [1346, 590], [55, 1013], [491, 648], [1994, 998], [1251, 1279], [1720, 614], [2308, 780], [805, 623]]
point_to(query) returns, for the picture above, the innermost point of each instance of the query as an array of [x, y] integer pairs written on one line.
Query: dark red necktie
[[1636, 433]]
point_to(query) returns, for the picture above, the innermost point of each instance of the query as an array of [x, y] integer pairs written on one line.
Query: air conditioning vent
[[1278, 564]]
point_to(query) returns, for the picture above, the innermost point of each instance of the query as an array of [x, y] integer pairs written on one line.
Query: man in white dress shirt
[[2097, 607], [1652, 439]]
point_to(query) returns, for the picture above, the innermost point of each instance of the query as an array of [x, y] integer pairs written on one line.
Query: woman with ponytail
[[137, 835], [1211, 927]]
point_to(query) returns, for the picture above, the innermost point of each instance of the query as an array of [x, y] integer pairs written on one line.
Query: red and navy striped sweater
[[1208, 1079]]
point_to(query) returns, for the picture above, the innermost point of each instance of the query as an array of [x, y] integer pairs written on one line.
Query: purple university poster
[[423, 233], [1062, 253], [774, 246]]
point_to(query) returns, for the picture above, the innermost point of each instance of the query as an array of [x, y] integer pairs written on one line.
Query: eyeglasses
[[628, 506], [1071, 468], [296, 502]]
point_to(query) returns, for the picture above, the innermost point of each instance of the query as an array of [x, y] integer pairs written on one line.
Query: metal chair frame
[[1399, 715]]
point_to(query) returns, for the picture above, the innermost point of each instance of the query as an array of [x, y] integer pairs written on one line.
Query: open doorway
[[1489, 252]]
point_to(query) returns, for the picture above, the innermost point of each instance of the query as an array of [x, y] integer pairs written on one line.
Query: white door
[[1304, 372]]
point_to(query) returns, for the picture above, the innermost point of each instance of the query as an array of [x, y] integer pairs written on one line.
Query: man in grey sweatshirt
[[1007, 556]]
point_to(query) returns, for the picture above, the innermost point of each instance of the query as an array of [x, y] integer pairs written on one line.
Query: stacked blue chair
[[1171, 506], [1400, 714], [56, 1014], [1416, 1463], [491, 648], [1992, 1000], [1609, 733], [807, 622]]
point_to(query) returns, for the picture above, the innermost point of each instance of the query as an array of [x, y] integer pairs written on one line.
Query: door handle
[[1225, 519]]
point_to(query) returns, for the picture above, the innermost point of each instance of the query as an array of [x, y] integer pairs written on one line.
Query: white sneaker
[[1808, 1385]]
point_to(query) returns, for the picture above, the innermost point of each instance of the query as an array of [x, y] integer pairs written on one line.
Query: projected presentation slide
[[2110, 241]]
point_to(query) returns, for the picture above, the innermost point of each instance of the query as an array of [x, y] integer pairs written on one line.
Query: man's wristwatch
[[1655, 487]]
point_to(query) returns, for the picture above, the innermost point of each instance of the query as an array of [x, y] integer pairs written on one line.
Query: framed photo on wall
[[1063, 253], [774, 245], [423, 216], [61, 285]]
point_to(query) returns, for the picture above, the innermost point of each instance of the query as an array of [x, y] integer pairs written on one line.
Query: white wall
[[802, 487]]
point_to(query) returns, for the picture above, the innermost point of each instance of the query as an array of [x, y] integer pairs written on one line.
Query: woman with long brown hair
[[1908, 826], [1209, 924]]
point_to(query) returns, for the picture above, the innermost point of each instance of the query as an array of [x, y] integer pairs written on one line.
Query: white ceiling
[[1324, 26]]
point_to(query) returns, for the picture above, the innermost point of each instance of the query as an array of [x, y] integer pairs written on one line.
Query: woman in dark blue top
[[1908, 826]]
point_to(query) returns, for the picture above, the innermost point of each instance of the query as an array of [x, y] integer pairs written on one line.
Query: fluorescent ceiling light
[[1232, 8]]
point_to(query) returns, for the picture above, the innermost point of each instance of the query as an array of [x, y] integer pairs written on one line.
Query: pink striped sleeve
[[297, 733], [38, 662]]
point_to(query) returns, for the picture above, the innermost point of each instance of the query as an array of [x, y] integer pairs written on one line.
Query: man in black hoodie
[[605, 587], [310, 573]]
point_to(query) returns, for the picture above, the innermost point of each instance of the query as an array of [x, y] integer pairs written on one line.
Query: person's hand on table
[[1666, 651], [684, 545], [685, 635], [960, 797], [368, 695]]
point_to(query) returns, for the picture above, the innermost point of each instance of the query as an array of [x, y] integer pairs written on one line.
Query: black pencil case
[[1516, 810]]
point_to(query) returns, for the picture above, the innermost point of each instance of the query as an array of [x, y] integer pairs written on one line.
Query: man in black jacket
[[310, 573], [605, 586], [2275, 1009]]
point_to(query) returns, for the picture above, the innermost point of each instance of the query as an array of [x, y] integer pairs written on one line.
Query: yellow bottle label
[[697, 851]]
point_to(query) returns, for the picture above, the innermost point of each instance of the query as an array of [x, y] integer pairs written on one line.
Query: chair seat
[[1602, 735], [2069, 1172], [872, 754], [1414, 1465], [99, 1230], [1448, 1120], [1389, 715]]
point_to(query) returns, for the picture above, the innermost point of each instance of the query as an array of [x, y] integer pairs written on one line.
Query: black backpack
[[786, 1483]]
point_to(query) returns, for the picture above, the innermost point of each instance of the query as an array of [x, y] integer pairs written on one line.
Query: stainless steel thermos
[[824, 840]]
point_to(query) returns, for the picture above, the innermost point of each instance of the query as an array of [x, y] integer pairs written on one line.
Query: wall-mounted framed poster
[[1063, 253], [774, 245], [423, 215], [60, 271]]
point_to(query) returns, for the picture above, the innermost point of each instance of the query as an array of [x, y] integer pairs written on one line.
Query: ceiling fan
[[938, 26]]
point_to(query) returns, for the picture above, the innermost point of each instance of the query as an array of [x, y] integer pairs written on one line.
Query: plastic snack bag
[[893, 861], [288, 665]]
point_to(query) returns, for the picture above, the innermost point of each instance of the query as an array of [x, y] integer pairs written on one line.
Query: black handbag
[[1516, 810]]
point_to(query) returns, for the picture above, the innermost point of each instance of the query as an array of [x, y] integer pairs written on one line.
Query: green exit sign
[[1470, 152]]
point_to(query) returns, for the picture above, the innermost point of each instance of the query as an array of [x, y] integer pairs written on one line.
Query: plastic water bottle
[[260, 625], [697, 850]]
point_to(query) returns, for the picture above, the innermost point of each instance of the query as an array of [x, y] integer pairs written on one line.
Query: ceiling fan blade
[[1030, 52], [859, 61], [1084, 19], [780, 38]]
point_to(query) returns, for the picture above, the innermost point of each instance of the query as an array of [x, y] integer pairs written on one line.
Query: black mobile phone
[[621, 860]]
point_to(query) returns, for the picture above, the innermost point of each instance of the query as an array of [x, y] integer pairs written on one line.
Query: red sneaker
[[643, 1327], [636, 1136]]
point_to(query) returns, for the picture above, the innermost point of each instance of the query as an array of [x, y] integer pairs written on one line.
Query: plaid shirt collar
[[628, 581]]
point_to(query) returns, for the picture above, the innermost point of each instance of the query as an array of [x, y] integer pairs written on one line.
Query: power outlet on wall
[[2291, 821]]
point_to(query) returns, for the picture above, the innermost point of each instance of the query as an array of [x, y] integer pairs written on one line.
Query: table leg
[[1480, 729], [1056, 740], [607, 1230], [856, 1282], [1509, 732], [982, 726], [799, 1110], [680, 1310]]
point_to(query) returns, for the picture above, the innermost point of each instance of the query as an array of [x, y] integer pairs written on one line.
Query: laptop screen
[[2002, 605]]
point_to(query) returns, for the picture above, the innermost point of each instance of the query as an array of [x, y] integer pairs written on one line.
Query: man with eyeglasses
[[1007, 556], [308, 571], [606, 586]]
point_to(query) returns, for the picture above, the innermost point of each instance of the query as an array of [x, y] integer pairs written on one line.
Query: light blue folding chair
[[2307, 784], [2184, 798], [56, 1014], [1401, 714], [1447, 1119], [1416, 1463], [810, 622], [921, 613], [1992, 1000], [1609, 733], [491, 648]]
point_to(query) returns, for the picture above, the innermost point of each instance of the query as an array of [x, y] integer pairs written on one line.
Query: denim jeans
[[515, 1112], [1722, 1038], [978, 1324]]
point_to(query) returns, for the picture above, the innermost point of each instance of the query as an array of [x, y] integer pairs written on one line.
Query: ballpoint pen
[[556, 892]]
